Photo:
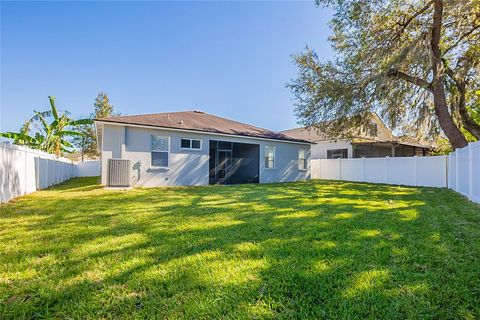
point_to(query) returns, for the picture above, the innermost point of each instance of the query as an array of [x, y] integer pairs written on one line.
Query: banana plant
[[49, 137]]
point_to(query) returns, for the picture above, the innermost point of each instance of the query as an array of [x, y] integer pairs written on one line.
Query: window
[[187, 143], [337, 153], [196, 144], [269, 157], [160, 148], [302, 159]]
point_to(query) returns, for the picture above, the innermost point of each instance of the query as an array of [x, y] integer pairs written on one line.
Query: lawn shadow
[[317, 249]]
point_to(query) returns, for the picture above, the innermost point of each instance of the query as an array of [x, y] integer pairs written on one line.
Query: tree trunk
[[449, 127], [83, 147], [445, 119]]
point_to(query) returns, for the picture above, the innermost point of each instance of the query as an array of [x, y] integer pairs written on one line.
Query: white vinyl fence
[[24, 170], [413, 171], [464, 171], [459, 171], [88, 168]]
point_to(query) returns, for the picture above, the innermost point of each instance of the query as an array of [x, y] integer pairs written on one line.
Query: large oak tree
[[416, 63]]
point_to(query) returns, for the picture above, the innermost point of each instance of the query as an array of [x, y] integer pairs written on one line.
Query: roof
[[384, 134], [200, 122], [312, 134], [414, 142], [307, 134]]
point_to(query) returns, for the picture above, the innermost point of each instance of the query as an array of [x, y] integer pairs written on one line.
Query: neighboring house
[[196, 148], [382, 143]]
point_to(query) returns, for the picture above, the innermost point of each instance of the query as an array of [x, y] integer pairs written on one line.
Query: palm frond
[[70, 133], [66, 143], [80, 121], [54, 108], [38, 116]]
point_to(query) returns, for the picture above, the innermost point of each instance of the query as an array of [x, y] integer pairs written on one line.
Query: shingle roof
[[312, 134], [201, 122], [383, 135], [307, 133]]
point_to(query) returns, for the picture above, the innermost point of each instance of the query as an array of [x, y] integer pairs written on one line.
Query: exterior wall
[[286, 163], [319, 150], [190, 167], [113, 137]]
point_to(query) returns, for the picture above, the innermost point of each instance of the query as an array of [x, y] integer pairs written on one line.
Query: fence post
[[37, 171], [447, 169], [470, 171], [363, 170], [340, 168], [388, 169], [415, 169], [456, 170], [25, 167], [320, 168]]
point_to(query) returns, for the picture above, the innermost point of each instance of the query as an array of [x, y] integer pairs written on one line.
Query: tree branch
[[463, 36], [406, 23], [411, 79], [468, 123]]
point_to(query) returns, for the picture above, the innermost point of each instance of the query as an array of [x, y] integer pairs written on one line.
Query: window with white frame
[[269, 157], [194, 144], [337, 153], [302, 159], [160, 149]]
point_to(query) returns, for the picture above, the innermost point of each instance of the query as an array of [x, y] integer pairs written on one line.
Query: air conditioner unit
[[118, 173]]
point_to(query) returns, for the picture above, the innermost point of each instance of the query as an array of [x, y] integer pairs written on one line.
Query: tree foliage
[[415, 63], [103, 107], [87, 143], [52, 137]]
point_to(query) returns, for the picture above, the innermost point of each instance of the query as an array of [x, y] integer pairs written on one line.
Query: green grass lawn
[[318, 249]]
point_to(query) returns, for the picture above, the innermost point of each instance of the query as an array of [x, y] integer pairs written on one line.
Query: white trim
[[274, 157], [96, 138], [202, 132], [168, 152], [191, 139]]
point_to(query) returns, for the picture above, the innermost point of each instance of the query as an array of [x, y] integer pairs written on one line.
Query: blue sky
[[231, 59]]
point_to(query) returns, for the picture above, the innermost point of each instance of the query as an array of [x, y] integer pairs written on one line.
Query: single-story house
[[379, 142], [196, 148]]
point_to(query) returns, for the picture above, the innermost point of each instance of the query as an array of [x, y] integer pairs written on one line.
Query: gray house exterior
[[361, 143], [195, 148]]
